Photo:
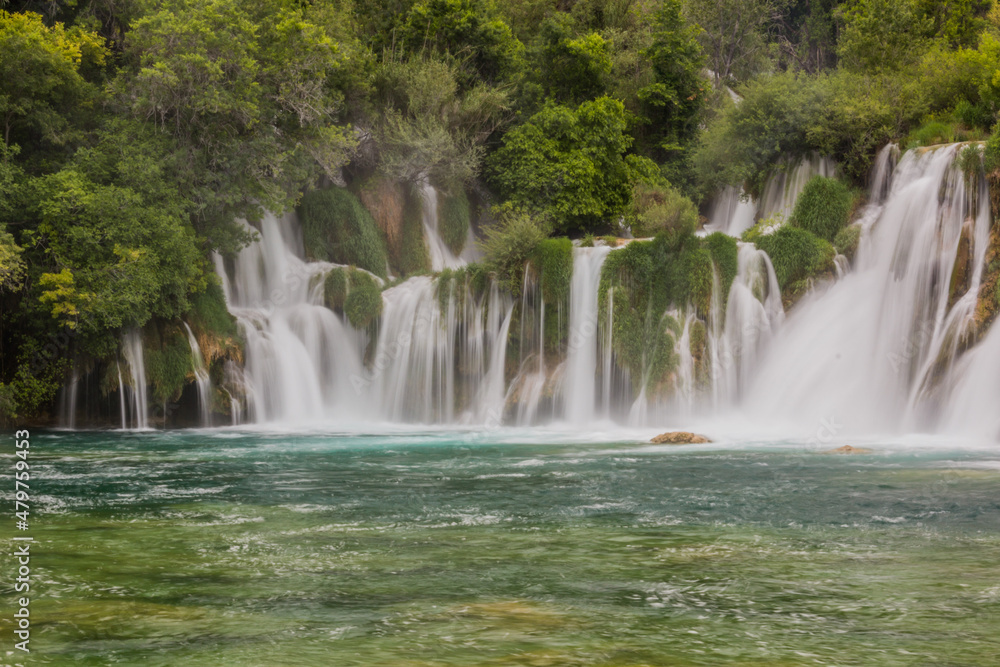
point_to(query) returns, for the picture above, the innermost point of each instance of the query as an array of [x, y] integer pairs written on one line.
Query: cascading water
[[201, 378], [440, 365], [579, 391], [300, 357], [304, 363], [753, 313], [132, 351], [732, 213], [67, 402], [784, 187], [867, 352], [441, 256]]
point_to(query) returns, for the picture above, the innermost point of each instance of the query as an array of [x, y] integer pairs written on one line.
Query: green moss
[[337, 228], [167, 357], [208, 312], [796, 254], [553, 261], [725, 255], [454, 219], [363, 304], [847, 241], [823, 207], [610, 240], [587, 241], [413, 255], [335, 288]]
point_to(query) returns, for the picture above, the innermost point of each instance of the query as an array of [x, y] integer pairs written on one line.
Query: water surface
[[509, 548]]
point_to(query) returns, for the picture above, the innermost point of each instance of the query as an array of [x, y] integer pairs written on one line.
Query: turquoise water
[[456, 548]]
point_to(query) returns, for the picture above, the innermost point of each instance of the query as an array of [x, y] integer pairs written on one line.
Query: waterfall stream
[[890, 345]]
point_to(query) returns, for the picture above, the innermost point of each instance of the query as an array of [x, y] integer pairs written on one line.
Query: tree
[[672, 103], [115, 260], [573, 68], [881, 35], [243, 91], [42, 92], [570, 165], [484, 45], [735, 34]]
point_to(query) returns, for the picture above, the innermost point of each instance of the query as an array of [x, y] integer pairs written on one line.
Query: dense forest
[[138, 133]]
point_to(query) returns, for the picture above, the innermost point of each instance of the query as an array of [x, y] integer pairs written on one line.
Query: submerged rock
[[847, 449], [679, 438]]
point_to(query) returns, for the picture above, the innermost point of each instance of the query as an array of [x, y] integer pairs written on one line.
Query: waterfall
[[67, 402], [202, 381], [732, 212], [441, 255], [581, 356], [753, 314], [132, 350], [301, 359], [121, 397], [785, 185], [868, 351]]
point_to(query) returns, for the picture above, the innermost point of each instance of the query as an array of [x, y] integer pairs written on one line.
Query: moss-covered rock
[[797, 254], [725, 256], [167, 356], [355, 293], [454, 219], [552, 260], [847, 241], [336, 227], [412, 255], [823, 207], [335, 288], [363, 304]]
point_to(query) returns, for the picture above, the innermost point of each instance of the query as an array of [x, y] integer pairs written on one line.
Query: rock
[[679, 438], [847, 449]]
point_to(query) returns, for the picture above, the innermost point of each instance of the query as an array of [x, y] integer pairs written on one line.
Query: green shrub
[[337, 228], [454, 219], [363, 304], [660, 208], [931, 133], [847, 240], [823, 207], [796, 254], [507, 245], [553, 261]]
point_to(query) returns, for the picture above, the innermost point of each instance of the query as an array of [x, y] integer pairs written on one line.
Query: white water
[[882, 348], [300, 357], [201, 378], [133, 353], [67, 406], [732, 213], [866, 353], [785, 185], [753, 314], [441, 256], [581, 357]]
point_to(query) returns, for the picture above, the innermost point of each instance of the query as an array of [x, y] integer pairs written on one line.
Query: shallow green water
[[451, 549]]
